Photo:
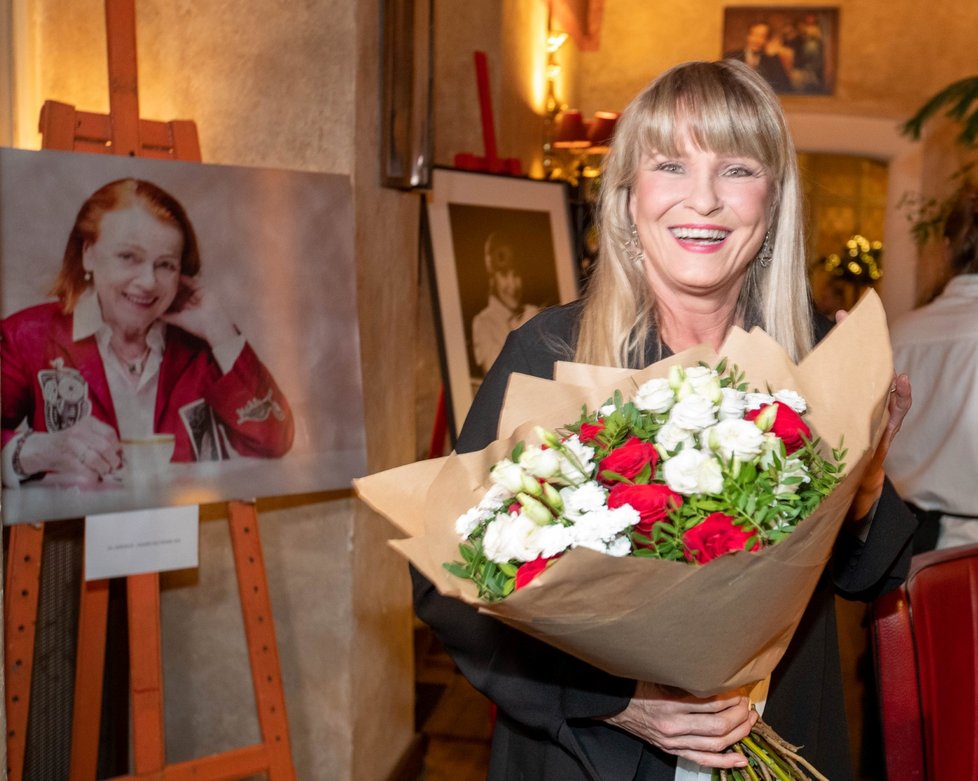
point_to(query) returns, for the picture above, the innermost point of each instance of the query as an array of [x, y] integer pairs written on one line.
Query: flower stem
[[768, 760], [748, 771], [786, 749]]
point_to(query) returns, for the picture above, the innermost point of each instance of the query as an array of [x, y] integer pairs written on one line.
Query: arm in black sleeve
[[866, 570]]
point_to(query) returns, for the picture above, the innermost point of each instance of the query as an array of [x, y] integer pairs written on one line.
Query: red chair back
[[925, 643]]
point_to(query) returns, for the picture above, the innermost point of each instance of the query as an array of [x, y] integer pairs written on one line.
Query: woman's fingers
[[901, 399], [699, 729], [102, 449]]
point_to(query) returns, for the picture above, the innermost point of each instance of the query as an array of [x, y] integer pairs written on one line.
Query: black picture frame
[[462, 210]]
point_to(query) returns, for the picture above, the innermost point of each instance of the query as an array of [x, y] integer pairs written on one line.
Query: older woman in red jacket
[[134, 347]]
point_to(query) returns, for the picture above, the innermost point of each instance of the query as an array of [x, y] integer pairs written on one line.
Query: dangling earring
[[766, 252], [633, 247], [88, 276]]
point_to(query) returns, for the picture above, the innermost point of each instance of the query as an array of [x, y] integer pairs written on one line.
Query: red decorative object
[[490, 162], [602, 128], [572, 131]]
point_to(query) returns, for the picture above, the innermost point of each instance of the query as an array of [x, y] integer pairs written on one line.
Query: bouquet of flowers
[[692, 467], [747, 603]]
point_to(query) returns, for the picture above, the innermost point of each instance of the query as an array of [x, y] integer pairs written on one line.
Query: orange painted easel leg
[[89, 669], [20, 620], [146, 672], [256, 608]]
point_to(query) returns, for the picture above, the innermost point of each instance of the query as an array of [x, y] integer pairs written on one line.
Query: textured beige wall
[[270, 89], [893, 54], [288, 85]]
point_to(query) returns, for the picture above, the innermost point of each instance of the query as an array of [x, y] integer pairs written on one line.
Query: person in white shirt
[[934, 462], [505, 309]]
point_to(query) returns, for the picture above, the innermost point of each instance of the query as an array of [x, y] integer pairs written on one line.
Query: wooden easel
[[122, 132]]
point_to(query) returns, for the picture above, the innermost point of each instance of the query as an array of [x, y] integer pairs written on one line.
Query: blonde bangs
[[715, 109]]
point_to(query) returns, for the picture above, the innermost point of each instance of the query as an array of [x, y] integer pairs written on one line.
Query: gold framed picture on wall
[[793, 47]]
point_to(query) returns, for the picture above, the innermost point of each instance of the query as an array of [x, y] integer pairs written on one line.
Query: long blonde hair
[[724, 107]]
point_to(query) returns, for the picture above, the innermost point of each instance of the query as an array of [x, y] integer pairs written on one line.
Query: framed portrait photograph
[[501, 249], [793, 47], [173, 333]]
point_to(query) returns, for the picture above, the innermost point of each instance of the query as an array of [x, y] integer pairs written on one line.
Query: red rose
[[713, 536], [628, 460], [528, 571], [788, 426], [589, 432], [652, 502]]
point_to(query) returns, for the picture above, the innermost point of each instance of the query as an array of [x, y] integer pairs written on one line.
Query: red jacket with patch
[[201, 406]]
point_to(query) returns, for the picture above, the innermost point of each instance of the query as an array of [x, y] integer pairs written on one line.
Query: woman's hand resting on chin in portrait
[[197, 311]]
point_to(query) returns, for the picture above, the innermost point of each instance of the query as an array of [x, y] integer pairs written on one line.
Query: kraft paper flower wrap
[[707, 628]]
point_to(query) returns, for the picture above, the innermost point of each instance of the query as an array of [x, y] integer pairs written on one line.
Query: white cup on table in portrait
[[146, 460]]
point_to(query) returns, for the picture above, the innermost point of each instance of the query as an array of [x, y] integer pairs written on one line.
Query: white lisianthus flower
[[793, 468], [468, 521], [606, 410], [694, 413], [757, 400], [733, 405], [488, 506], [705, 382], [603, 525], [553, 539], [693, 472], [670, 437], [597, 545], [511, 538], [585, 498], [584, 458], [770, 448], [494, 497], [619, 547], [676, 376], [738, 439], [655, 396], [540, 462], [792, 399], [508, 475]]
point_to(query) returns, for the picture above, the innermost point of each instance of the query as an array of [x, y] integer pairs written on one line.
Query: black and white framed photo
[[501, 250]]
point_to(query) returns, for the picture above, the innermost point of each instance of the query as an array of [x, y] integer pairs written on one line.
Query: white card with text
[[131, 543]]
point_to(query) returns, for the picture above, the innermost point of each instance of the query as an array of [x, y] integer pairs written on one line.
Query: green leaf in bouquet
[[613, 477], [517, 452], [644, 476], [457, 570], [508, 569], [469, 553]]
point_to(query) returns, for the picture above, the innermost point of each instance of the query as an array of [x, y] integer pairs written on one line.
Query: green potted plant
[[960, 99]]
